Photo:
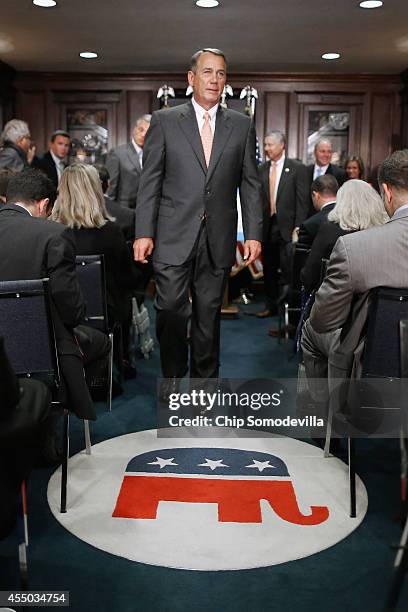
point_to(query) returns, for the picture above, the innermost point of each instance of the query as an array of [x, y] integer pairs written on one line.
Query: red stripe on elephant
[[238, 500]]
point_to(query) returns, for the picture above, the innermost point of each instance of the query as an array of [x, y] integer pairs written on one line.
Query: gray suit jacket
[[124, 171], [176, 188], [13, 157], [360, 261]]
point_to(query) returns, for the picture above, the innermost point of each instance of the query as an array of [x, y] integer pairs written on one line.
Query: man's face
[[139, 133], [273, 148], [323, 153], [208, 80], [60, 146]]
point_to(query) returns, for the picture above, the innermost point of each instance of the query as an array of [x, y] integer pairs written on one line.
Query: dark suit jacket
[[124, 172], [292, 198], [124, 217], [32, 248], [322, 247], [309, 228], [13, 157], [47, 165], [336, 171], [121, 275], [176, 188]]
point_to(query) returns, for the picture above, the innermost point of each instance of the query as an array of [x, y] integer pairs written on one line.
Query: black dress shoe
[[262, 314]]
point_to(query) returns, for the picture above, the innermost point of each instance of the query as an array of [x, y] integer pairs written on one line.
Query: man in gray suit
[[124, 165], [333, 336], [196, 157]]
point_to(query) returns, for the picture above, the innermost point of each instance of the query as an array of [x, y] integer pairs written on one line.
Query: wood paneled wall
[[41, 99]]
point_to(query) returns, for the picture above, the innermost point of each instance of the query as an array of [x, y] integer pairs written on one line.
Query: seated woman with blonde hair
[[81, 206], [358, 207]]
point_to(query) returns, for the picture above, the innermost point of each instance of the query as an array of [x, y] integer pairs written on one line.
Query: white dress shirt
[[322, 170], [279, 168], [58, 162], [139, 152], [200, 112]]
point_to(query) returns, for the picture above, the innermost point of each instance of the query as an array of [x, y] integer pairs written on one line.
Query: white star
[[213, 464], [162, 462], [261, 465]]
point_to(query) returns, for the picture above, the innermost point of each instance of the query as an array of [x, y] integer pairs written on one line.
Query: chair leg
[[110, 374], [400, 572], [352, 477], [328, 431], [88, 447], [22, 531], [64, 467]]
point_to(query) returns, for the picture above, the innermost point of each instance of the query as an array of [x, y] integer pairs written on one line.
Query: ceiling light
[[207, 3], [88, 54], [330, 56], [371, 4], [45, 3]]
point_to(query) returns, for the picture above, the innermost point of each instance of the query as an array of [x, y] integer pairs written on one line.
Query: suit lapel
[[265, 180], [222, 133], [283, 179], [188, 124], [133, 156]]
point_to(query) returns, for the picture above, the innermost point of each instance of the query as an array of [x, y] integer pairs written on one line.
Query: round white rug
[[207, 504]]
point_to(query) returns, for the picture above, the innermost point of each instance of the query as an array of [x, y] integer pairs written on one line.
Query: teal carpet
[[353, 575]]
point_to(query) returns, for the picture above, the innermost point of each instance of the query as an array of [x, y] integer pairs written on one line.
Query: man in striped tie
[[197, 155]]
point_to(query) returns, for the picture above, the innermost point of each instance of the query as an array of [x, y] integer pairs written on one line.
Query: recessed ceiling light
[[45, 3], [207, 3], [371, 4], [330, 56], [88, 54]]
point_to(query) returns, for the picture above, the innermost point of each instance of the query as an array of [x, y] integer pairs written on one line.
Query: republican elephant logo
[[236, 480]]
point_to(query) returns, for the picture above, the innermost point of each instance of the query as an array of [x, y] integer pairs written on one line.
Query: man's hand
[[252, 250], [295, 234], [142, 248]]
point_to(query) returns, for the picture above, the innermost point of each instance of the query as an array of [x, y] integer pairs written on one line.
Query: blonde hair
[[80, 201], [358, 207]]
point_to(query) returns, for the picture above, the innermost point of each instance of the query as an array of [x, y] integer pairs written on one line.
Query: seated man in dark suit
[[324, 190], [24, 408], [54, 162], [32, 247]]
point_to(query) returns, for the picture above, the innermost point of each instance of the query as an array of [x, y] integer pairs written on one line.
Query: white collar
[[327, 203], [138, 149], [323, 168], [56, 159], [280, 161], [23, 206], [201, 111]]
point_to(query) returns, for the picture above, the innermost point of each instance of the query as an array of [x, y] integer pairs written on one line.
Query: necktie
[[207, 138], [319, 171], [62, 166], [272, 187]]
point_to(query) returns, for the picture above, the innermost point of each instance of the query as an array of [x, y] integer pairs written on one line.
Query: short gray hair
[[195, 57], [278, 135], [145, 118], [14, 130], [358, 207], [323, 140]]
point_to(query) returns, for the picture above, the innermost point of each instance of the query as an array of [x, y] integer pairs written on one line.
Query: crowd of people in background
[[57, 211]]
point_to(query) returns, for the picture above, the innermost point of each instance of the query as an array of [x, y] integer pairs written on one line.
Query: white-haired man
[[125, 163], [16, 153]]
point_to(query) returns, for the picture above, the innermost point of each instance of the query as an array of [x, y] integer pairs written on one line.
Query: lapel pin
[[287, 169]]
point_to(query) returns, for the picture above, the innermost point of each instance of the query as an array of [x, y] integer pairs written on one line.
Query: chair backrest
[[27, 328], [91, 277], [299, 258], [382, 357]]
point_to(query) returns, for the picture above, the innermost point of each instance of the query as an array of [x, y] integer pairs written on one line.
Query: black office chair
[[29, 339], [381, 360], [293, 299], [91, 276]]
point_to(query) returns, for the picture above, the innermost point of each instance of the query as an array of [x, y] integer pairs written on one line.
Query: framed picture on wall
[[88, 128]]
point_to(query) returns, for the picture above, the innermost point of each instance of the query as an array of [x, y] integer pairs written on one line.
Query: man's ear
[[42, 207], [387, 191], [190, 77]]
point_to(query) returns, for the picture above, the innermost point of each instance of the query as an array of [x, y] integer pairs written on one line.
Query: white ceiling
[[161, 35]]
